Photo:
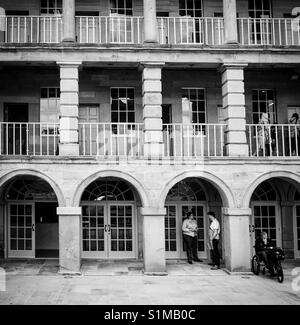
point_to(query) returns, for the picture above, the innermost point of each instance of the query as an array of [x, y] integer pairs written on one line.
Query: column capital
[[69, 211], [150, 64], [69, 63], [153, 211], [231, 65], [237, 212]]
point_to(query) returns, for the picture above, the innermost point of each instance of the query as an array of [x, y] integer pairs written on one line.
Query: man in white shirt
[[214, 237], [190, 230]]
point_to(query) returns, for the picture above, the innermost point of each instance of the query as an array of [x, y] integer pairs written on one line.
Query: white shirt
[[189, 227], [215, 226]]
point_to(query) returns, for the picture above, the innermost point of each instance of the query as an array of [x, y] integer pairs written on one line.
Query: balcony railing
[[32, 29], [185, 30], [193, 140], [269, 31], [111, 139], [29, 139], [112, 29], [274, 140]]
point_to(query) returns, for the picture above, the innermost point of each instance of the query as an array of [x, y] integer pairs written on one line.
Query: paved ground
[[119, 283]]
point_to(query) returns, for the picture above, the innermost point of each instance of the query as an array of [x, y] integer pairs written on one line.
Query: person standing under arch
[[214, 237]]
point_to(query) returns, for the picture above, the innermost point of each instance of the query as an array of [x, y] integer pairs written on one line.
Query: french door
[[21, 227], [108, 230], [176, 213], [297, 230], [265, 217]]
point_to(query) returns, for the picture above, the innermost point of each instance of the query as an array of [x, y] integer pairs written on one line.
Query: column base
[[68, 149], [237, 150]]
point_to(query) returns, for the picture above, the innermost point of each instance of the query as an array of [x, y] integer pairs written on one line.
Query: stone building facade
[[119, 117]]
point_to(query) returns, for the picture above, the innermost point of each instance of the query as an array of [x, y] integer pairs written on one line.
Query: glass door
[[297, 231], [120, 231], [21, 230], [265, 217], [172, 232]]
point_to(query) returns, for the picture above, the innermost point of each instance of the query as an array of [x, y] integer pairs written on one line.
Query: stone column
[[233, 94], [230, 21], [69, 29], [69, 239], [237, 239], [154, 240], [69, 101], [152, 109], [150, 22]]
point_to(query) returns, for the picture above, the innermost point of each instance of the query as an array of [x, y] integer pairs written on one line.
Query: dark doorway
[[167, 114], [14, 131], [46, 230]]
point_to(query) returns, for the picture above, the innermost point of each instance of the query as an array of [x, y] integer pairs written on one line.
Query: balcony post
[[150, 22], [230, 21], [152, 109], [69, 101], [233, 94], [69, 29], [236, 239]]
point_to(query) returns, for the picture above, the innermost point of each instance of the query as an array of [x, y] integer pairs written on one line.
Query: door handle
[[108, 226], [32, 228]]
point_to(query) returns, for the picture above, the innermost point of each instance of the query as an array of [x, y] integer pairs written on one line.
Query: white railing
[[275, 140], [29, 139], [193, 140], [32, 29], [111, 139], [186, 30], [269, 31], [110, 29]]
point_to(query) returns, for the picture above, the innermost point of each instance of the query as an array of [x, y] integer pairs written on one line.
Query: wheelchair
[[276, 256]]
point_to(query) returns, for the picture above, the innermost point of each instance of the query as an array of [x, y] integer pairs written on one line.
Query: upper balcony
[[190, 24]]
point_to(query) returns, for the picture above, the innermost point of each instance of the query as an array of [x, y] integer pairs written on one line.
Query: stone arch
[[224, 190], [289, 176], [4, 179], [139, 188]]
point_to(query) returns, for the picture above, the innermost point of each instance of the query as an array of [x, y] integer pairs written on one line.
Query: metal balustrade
[[269, 31], [186, 30], [193, 140], [273, 140], [29, 139], [109, 29], [111, 139], [32, 29]]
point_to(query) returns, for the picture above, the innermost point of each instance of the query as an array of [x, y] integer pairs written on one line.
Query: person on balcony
[[190, 231], [263, 136], [294, 132]]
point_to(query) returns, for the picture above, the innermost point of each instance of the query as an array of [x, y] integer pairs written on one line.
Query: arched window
[[186, 191], [29, 190], [264, 192], [103, 190]]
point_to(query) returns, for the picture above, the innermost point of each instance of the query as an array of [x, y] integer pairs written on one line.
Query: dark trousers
[[191, 247], [266, 257], [215, 252]]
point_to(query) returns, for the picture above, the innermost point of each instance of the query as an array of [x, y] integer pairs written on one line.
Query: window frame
[[273, 119], [183, 12], [254, 11], [125, 9], [57, 9]]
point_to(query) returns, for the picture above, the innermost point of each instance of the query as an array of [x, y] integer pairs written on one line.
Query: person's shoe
[[198, 260], [190, 262], [215, 267]]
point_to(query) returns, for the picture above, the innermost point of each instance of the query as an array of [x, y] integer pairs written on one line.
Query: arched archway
[[28, 204], [276, 210], [111, 227], [199, 196]]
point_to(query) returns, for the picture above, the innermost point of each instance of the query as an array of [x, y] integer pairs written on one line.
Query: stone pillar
[[237, 239], [69, 101], [69, 239], [2, 25], [152, 109], [154, 240], [150, 21], [69, 29], [233, 94], [230, 21]]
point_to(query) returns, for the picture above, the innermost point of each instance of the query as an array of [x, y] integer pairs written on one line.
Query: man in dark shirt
[[262, 244]]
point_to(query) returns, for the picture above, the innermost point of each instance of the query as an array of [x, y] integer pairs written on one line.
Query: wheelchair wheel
[[279, 270], [255, 265]]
